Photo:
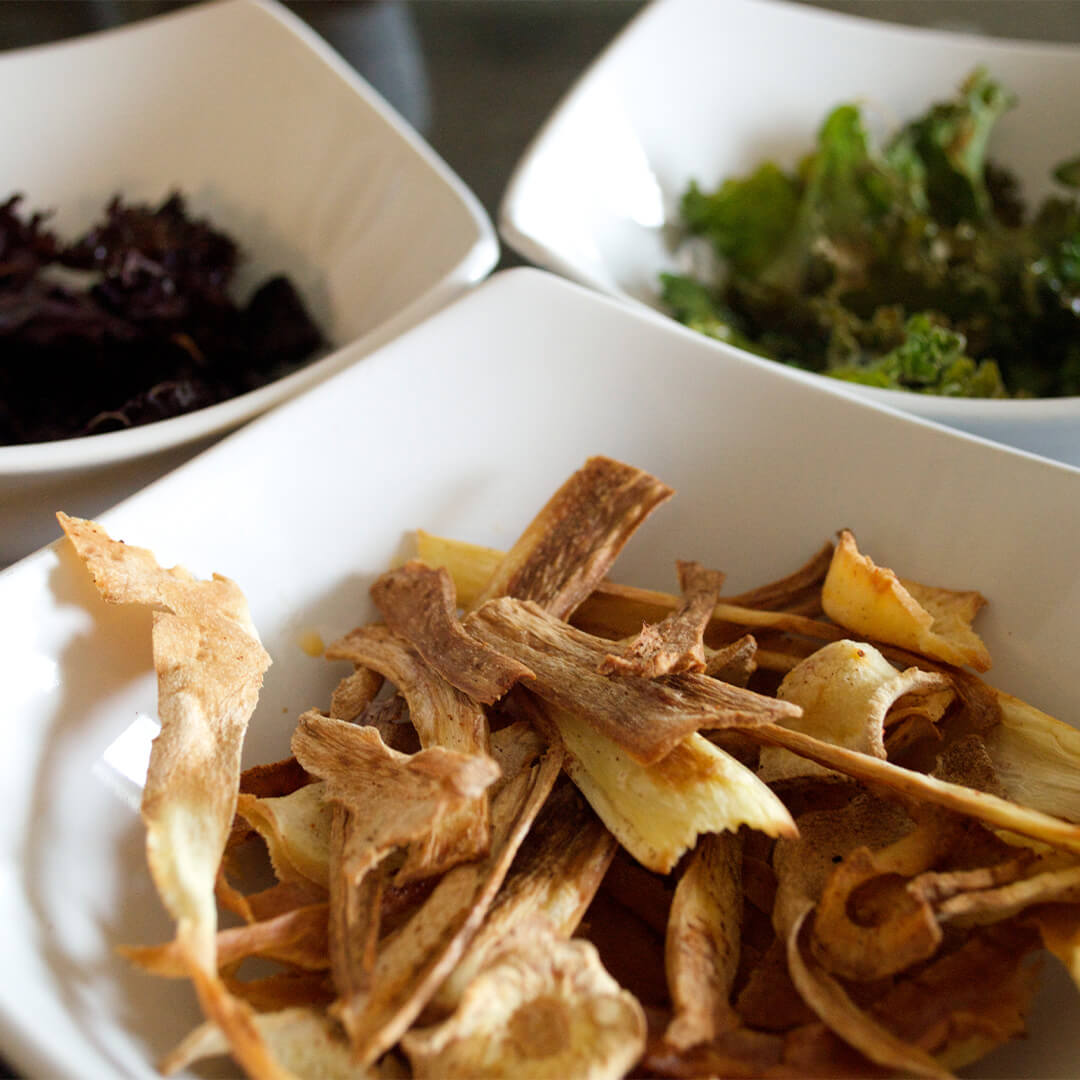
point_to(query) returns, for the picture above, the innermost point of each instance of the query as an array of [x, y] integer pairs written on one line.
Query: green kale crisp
[[912, 264]]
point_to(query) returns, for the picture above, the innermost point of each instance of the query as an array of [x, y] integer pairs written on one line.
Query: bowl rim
[[533, 248], [79, 453]]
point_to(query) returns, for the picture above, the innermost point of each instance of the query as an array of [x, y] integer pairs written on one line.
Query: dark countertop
[[478, 77]]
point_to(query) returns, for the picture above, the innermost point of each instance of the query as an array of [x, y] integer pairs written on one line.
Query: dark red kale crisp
[[132, 322]]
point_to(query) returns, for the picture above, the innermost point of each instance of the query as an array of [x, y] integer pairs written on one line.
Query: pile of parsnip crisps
[[552, 826]]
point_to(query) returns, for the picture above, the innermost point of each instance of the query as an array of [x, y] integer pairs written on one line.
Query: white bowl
[[279, 142], [696, 89], [463, 426]]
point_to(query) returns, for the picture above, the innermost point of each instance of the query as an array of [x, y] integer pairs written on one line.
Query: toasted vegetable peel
[[853, 943], [394, 796], [701, 950], [415, 960], [990, 809], [296, 937], [305, 1040], [675, 643], [471, 565], [844, 691], [571, 543], [658, 811], [383, 800], [804, 865], [735, 662], [442, 716], [419, 603], [829, 1000], [1059, 884], [647, 717], [867, 949], [210, 664], [873, 602], [1037, 758], [296, 829], [355, 693], [967, 1000], [544, 1008], [553, 878]]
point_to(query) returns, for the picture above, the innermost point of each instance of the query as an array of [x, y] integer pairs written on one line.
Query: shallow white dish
[[271, 135], [695, 89], [463, 426]]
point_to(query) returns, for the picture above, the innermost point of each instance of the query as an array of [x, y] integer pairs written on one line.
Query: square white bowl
[[273, 137], [464, 426], [705, 90]]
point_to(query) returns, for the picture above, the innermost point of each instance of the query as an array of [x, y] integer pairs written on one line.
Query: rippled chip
[[303, 1040], [209, 664], [844, 691], [874, 603], [545, 1007], [658, 811], [296, 829]]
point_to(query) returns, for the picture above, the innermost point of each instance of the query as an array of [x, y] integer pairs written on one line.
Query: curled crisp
[[828, 998], [874, 603], [676, 643], [544, 1007], [702, 946], [901, 929], [419, 603], [209, 664], [844, 691]]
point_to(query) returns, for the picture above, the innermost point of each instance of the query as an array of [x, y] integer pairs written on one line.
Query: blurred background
[[478, 77]]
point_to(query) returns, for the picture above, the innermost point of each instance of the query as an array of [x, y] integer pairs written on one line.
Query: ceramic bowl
[[274, 138], [694, 89]]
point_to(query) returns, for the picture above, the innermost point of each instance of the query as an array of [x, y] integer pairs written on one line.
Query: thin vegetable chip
[[543, 1008], [872, 601], [209, 663]]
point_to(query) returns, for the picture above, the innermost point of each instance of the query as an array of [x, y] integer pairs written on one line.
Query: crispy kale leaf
[[942, 155], [696, 306], [930, 359], [748, 220], [1068, 173], [909, 266]]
